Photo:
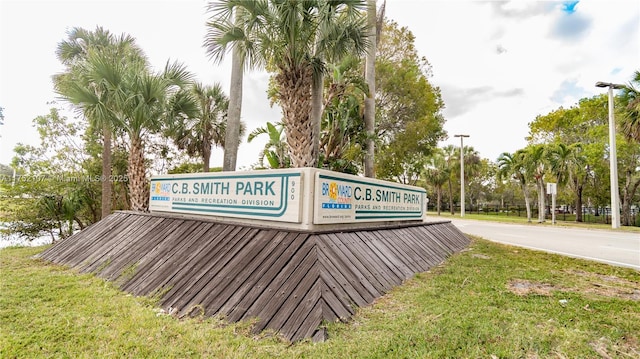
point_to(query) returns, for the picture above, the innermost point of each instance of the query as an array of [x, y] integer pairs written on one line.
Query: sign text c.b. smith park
[[287, 195]]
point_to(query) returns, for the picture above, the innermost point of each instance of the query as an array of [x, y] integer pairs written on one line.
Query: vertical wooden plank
[[394, 275], [351, 269], [160, 266], [357, 294], [263, 276], [215, 277], [267, 244], [359, 256], [208, 249], [294, 310], [292, 275]]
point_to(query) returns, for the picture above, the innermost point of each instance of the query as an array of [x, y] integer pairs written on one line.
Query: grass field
[[490, 301], [523, 220]]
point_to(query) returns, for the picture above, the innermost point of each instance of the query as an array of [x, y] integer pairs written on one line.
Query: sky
[[498, 64]]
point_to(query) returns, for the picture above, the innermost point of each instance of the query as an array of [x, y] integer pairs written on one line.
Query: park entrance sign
[[295, 248], [302, 197], [272, 195], [341, 198]]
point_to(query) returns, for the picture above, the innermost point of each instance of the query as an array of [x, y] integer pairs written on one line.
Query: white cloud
[[498, 64], [542, 56]]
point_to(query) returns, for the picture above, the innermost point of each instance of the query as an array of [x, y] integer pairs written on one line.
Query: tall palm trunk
[[206, 148], [451, 209], [232, 135], [106, 170], [527, 202], [629, 189], [626, 208], [541, 200], [370, 100], [206, 156], [137, 181], [578, 203], [439, 198], [316, 115], [294, 87]]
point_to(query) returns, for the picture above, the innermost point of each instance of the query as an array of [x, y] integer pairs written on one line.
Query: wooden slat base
[[290, 281]]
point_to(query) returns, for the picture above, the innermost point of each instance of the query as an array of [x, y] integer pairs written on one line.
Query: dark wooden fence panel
[[290, 281]]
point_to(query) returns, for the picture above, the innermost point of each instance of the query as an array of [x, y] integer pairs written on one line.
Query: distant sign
[[266, 195], [341, 198]]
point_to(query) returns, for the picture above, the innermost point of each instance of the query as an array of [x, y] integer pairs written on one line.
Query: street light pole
[[613, 158], [461, 173]]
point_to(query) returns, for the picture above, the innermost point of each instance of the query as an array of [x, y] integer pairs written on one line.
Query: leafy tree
[[92, 165], [53, 191], [5, 172], [629, 176], [188, 167], [293, 38], [586, 125], [409, 119], [479, 177]]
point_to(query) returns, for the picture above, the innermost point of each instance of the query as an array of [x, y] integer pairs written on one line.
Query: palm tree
[[142, 109], [451, 160], [234, 126], [535, 161], [369, 101], [631, 120], [204, 124], [294, 38], [513, 166], [472, 166], [437, 174], [243, 54], [79, 88], [569, 166], [275, 150]]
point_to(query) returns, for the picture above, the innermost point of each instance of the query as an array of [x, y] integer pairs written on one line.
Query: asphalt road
[[612, 247]]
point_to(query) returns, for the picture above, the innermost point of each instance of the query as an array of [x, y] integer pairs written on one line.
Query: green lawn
[[488, 301], [523, 220]]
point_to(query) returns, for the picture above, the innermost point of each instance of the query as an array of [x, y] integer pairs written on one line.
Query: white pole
[[553, 209], [461, 173], [461, 177], [552, 189], [613, 160], [613, 164]]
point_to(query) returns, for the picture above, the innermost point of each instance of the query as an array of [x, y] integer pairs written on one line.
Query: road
[[607, 246]]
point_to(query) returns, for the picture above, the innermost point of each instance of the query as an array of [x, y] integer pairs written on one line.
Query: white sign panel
[[341, 198], [265, 195]]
